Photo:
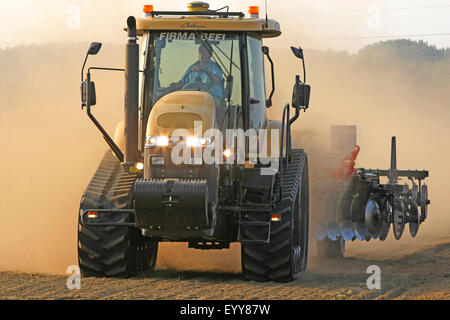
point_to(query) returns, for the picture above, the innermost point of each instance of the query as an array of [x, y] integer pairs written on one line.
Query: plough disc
[[399, 215]]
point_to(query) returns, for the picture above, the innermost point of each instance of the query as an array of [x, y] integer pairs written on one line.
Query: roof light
[[253, 11], [148, 9]]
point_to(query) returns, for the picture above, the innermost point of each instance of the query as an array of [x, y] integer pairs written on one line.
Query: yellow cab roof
[[209, 23]]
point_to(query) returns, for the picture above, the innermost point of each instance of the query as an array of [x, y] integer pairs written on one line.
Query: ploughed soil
[[407, 272]]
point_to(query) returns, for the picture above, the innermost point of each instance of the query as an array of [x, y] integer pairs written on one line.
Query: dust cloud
[[50, 149]]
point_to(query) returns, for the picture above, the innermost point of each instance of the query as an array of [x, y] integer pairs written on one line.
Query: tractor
[[195, 158]]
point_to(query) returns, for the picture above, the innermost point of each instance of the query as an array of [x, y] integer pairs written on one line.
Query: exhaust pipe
[[131, 154]]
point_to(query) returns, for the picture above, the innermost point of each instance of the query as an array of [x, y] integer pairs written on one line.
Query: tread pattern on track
[[112, 251], [272, 261]]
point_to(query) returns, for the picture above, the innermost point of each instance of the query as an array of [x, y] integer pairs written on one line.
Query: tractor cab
[[195, 65], [215, 52]]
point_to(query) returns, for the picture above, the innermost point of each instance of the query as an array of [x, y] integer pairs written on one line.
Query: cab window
[[257, 104], [195, 61]]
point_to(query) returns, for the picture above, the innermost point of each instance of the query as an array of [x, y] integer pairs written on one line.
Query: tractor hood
[[179, 110]]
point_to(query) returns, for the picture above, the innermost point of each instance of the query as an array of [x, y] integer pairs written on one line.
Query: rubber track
[[262, 262], [111, 251]]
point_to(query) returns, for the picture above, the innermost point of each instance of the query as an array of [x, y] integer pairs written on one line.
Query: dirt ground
[[406, 273]]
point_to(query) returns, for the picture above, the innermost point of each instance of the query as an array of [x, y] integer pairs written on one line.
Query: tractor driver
[[204, 70]]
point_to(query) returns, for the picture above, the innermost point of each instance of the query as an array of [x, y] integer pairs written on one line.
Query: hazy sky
[[323, 24]]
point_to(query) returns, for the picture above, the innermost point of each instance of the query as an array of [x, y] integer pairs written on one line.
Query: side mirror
[[300, 94], [298, 52], [94, 48]]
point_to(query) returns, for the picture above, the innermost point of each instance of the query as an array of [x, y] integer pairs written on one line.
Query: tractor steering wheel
[[198, 85]]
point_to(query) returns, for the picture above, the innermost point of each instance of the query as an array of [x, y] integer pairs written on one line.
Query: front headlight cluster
[[164, 141], [196, 141], [160, 141]]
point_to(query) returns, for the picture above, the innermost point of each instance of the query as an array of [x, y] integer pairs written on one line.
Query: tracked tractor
[[195, 158]]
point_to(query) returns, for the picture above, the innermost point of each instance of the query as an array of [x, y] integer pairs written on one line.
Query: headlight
[[163, 141], [196, 141], [227, 153], [160, 141], [139, 165]]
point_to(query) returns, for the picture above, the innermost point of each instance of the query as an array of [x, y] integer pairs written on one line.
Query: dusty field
[[416, 274]]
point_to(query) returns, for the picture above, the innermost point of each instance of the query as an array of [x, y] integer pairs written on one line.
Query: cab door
[[257, 90]]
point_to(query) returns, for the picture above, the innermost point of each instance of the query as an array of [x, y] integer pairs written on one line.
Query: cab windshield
[[190, 60]]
